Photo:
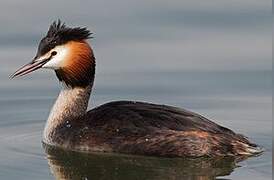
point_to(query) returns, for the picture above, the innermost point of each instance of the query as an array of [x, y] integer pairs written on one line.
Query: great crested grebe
[[123, 126]]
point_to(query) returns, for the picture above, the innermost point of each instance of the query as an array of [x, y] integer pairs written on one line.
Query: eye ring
[[53, 53]]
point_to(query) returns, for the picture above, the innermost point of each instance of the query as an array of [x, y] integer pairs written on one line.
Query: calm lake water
[[240, 100], [212, 57]]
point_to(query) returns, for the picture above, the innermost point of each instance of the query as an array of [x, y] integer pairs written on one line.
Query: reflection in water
[[72, 165]]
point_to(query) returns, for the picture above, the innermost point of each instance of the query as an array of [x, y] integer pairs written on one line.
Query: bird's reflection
[[72, 165]]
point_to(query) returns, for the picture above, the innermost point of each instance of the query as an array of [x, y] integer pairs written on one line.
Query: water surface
[[240, 100], [213, 57]]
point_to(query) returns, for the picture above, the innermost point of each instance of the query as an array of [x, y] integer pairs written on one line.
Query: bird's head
[[66, 51]]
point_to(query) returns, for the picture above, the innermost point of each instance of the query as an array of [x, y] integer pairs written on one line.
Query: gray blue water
[[237, 99], [213, 57]]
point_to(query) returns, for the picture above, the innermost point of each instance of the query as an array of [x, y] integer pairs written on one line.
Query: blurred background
[[213, 57]]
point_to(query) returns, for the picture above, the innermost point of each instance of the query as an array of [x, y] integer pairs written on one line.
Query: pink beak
[[28, 68]]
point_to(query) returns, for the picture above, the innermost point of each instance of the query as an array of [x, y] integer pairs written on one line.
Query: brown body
[[125, 126], [149, 129]]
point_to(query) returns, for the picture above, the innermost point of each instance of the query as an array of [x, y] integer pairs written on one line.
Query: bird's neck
[[71, 104]]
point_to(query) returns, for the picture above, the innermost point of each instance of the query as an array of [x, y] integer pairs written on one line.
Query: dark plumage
[[150, 129], [124, 126], [59, 34]]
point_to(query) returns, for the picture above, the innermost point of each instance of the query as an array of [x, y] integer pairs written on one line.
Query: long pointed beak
[[28, 68]]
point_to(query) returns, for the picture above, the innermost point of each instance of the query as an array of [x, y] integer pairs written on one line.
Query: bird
[[126, 127]]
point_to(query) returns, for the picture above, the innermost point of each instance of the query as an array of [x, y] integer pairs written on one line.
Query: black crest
[[64, 33], [59, 33]]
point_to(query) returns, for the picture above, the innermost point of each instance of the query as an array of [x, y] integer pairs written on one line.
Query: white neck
[[70, 104]]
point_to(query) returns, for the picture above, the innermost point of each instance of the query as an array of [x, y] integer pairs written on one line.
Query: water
[[240, 100], [212, 57]]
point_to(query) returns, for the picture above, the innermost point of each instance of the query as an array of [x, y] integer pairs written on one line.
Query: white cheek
[[57, 60]]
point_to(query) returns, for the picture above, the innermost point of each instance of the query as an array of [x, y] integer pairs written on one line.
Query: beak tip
[[28, 68], [14, 75], [11, 76]]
